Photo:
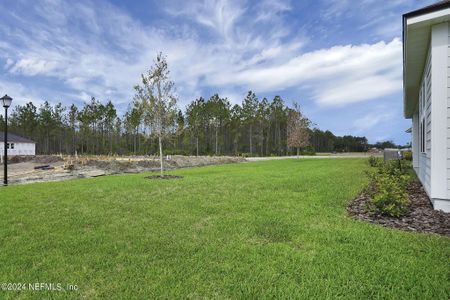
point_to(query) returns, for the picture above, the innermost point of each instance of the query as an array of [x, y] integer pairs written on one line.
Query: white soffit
[[430, 18], [418, 32]]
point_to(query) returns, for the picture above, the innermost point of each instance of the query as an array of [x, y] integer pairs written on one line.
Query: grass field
[[253, 230]]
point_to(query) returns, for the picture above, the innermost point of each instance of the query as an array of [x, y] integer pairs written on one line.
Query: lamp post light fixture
[[6, 102]]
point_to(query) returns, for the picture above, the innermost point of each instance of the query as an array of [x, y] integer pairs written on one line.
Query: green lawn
[[253, 230]]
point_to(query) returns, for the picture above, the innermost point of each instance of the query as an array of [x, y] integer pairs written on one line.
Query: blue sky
[[341, 60]]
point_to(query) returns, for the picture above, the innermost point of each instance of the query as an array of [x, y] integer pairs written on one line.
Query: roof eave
[[414, 22]]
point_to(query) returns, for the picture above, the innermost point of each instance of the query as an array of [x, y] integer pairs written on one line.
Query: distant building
[[17, 145], [426, 83]]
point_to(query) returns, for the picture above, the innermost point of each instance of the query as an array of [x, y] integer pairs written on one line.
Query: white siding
[[439, 111], [448, 113], [424, 114], [19, 149]]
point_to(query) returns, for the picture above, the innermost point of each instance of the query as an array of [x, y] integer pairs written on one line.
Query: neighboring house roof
[[13, 138]]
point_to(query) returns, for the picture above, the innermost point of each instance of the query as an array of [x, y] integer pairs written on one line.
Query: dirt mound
[[148, 164], [140, 164], [40, 159], [19, 158], [93, 166], [179, 161], [47, 159], [420, 216]]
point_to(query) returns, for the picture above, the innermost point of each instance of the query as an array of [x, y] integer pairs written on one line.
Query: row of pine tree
[[257, 127]]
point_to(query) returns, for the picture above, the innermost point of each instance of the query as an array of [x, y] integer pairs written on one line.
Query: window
[[422, 135], [422, 118], [424, 107]]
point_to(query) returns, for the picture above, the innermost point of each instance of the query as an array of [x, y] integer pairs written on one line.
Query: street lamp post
[[6, 101]]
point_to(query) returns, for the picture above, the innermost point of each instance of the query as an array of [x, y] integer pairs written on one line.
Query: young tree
[[158, 98], [297, 129]]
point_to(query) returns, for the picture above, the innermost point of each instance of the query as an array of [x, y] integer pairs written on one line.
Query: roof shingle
[[13, 138]]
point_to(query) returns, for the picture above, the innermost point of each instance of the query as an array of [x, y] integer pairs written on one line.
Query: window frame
[[422, 119]]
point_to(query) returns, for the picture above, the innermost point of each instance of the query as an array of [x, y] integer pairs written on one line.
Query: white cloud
[[357, 89], [93, 48], [220, 15], [33, 66], [19, 93], [336, 76], [371, 120]]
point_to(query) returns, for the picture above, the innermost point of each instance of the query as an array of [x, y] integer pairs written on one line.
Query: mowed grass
[[273, 229]]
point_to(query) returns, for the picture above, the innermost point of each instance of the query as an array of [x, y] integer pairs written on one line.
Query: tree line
[[256, 127], [210, 126]]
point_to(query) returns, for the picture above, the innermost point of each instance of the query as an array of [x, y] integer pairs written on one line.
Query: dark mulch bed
[[420, 217], [163, 177]]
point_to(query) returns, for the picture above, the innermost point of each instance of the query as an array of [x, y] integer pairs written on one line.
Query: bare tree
[[158, 99], [297, 129]]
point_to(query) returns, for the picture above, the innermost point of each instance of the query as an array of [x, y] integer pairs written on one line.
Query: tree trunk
[[110, 143], [217, 141], [161, 156], [251, 146], [298, 151], [197, 145], [262, 139], [139, 140], [134, 143], [73, 142]]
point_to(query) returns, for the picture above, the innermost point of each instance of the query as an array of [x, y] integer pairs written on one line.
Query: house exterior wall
[[423, 118], [433, 158], [439, 112], [19, 149], [415, 141], [448, 111]]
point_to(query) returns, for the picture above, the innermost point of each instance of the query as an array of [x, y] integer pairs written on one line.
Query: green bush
[[389, 196], [396, 167], [407, 155], [177, 152], [374, 161], [244, 154], [388, 183], [308, 151]]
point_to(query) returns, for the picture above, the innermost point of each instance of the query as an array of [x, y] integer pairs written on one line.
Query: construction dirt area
[[44, 168]]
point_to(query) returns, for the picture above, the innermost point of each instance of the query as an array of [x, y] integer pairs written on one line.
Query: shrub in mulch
[[163, 177], [419, 215], [387, 189]]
